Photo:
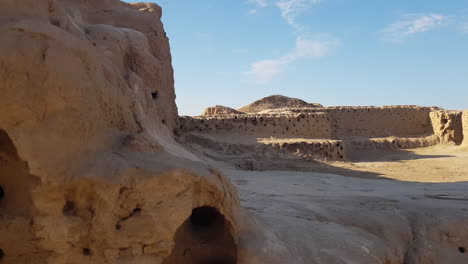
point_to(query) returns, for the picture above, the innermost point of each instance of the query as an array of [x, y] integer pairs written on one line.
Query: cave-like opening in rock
[[204, 238], [15, 180], [204, 216]]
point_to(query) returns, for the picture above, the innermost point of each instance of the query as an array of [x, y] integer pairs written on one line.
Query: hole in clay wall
[[135, 212], [68, 208], [461, 249], [2, 193], [87, 252], [204, 238], [155, 95], [1, 254], [55, 22]]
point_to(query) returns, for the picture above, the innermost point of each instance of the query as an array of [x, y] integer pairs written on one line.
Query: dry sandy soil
[[437, 164], [402, 207]]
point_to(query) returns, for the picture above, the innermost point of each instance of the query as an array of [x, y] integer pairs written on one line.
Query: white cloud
[[265, 70], [252, 11], [260, 3], [306, 48], [291, 8], [412, 24]]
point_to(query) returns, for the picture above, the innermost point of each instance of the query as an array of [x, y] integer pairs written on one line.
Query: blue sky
[[333, 52]]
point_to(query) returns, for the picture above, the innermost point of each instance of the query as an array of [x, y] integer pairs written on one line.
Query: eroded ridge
[[326, 133], [90, 171]]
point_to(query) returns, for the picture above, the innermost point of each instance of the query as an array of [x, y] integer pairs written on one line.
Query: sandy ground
[[440, 163], [409, 207]]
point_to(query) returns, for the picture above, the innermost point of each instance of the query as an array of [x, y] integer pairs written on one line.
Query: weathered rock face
[[465, 127], [220, 110], [447, 125], [89, 169], [277, 102]]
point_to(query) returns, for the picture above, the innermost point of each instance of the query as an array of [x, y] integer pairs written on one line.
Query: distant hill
[[220, 110], [276, 102]]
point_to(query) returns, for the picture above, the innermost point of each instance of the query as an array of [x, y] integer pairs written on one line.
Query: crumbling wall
[[340, 150], [313, 125], [143, 50], [334, 133], [89, 169], [447, 125], [329, 123], [465, 127], [319, 149], [403, 121]]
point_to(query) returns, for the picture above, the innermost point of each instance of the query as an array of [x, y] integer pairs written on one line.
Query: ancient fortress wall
[[465, 127], [447, 125], [333, 133], [306, 125], [329, 123], [403, 121]]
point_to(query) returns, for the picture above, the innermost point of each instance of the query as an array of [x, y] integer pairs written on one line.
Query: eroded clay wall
[[331, 122], [465, 127], [447, 125], [89, 172], [380, 121], [312, 125]]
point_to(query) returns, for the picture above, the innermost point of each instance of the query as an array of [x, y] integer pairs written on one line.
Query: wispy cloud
[[291, 8], [252, 11], [412, 24], [265, 70], [306, 48], [260, 3]]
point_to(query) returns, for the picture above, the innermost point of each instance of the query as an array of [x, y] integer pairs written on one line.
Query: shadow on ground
[[255, 156]]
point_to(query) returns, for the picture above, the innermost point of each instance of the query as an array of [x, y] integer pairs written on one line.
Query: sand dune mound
[[220, 110], [277, 102]]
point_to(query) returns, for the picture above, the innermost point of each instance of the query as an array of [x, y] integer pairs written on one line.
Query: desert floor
[[401, 207]]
